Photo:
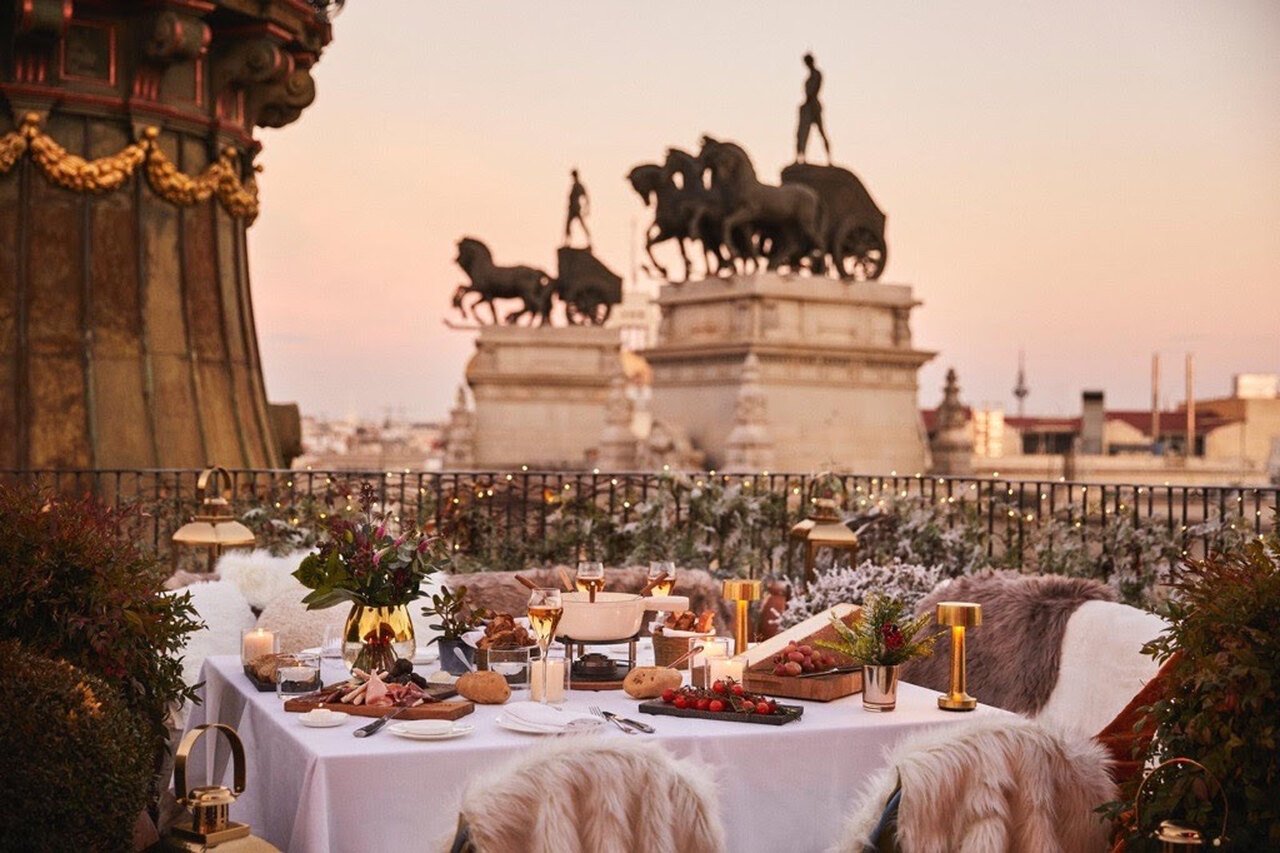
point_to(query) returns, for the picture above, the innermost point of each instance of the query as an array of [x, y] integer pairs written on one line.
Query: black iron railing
[[733, 523]]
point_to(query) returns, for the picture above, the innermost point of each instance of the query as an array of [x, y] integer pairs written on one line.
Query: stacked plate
[[430, 729]]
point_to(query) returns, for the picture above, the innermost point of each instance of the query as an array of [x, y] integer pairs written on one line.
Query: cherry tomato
[[737, 690], [763, 708], [681, 702], [716, 706], [748, 707], [669, 695], [718, 687], [704, 703]]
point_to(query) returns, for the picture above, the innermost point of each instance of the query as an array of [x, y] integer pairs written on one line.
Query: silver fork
[[595, 709]]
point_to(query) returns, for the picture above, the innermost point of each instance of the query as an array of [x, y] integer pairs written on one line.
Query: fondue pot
[[613, 616]]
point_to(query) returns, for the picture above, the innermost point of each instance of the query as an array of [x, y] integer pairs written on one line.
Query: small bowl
[[427, 727], [323, 718]]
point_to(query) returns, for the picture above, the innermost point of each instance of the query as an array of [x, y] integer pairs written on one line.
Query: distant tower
[[952, 443], [1020, 391]]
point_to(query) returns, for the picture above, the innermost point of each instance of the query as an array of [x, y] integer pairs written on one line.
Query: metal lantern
[[210, 824], [213, 527], [1175, 836], [823, 528]]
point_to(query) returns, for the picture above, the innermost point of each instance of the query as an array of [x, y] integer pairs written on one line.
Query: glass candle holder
[[256, 642], [511, 664], [714, 649], [297, 674], [557, 666]]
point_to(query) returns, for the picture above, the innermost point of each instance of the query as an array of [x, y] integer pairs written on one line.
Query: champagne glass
[[545, 609], [590, 579], [657, 569]]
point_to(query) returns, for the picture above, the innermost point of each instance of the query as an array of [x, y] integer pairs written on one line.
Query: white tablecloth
[[781, 788]]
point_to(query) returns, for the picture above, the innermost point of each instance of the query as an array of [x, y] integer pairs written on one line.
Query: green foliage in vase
[[886, 634], [75, 587], [456, 614], [77, 760], [363, 562], [1224, 637]]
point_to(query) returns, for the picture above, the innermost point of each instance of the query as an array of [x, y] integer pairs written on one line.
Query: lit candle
[[257, 643], [723, 668], [555, 680]]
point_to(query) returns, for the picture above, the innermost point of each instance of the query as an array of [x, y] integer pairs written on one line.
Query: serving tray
[[660, 708], [428, 711], [817, 688]]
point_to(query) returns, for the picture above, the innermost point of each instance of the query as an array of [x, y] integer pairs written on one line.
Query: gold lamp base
[[961, 702], [231, 832]]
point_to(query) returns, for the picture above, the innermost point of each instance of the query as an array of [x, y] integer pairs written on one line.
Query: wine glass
[[657, 569], [545, 609], [589, 578]]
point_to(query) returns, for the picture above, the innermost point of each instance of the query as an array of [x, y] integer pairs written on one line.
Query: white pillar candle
[[555, 680], [257, 643], [722, 668]]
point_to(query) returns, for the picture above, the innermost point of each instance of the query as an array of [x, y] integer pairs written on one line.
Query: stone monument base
[[836, 369], [540, 394]]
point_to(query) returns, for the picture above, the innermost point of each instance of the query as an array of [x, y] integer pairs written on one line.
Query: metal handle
[[1137, 798], [372, 728], [184, 750], [644, 727]]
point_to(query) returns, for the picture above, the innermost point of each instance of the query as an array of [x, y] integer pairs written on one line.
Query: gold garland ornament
[[219, 180]]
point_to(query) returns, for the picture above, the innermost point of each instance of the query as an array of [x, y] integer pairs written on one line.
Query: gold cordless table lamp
[[959, 615]]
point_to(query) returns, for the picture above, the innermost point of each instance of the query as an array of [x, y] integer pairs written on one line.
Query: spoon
[[468, 664]]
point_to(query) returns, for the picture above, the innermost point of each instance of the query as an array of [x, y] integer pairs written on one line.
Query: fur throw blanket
[[993, 784], [1013, 658], [585, 794]]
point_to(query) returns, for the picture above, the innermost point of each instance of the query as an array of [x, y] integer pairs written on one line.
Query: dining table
[[788, 787]]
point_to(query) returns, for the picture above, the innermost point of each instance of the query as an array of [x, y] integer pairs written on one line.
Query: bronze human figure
[[579, 207], [811, 112]]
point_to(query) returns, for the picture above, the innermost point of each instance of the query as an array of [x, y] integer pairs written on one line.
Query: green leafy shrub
[[75, 586], [1225, 630], [77, 760]]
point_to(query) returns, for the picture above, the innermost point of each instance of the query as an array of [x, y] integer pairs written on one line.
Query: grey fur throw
[[1013, 657]]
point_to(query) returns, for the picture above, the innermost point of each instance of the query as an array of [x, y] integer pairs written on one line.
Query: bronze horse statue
[[787, 216], [490, 281]]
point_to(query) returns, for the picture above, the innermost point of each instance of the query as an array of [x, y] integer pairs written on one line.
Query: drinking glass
[[331, 645], [590, 578], [715, 652], [545, 609], [657, 569]]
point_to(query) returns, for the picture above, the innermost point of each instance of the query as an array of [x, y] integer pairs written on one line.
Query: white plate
[[458, 730], [336, 718], [524, 728]]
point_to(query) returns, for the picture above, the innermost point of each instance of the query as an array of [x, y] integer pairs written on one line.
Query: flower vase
[[373, 637], [879, 688]]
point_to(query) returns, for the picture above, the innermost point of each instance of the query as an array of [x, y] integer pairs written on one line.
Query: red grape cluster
[[797, 658], [726, 695]]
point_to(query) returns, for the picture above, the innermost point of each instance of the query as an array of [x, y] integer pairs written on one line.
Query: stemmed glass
[[657, 569], [545, 609], [589, 579]]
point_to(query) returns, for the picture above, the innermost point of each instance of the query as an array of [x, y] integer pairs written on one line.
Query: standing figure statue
[[811, 112], [579, 207]]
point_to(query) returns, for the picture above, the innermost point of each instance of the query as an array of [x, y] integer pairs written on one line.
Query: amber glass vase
[[373, 637]]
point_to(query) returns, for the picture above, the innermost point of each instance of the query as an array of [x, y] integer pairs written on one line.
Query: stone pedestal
[[541, 394], [836, 378]]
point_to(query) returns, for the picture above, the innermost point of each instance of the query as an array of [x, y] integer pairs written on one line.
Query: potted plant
[[457, 616], [885, 636], [361, 562]]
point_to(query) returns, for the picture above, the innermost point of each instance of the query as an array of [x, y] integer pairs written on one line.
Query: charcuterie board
[[451, 710]]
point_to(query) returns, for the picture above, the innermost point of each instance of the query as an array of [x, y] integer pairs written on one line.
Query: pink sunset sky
[[1089, 181]]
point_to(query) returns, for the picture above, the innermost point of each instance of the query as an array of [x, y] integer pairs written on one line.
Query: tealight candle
[[555, 680], [256, 643], [723, 668]]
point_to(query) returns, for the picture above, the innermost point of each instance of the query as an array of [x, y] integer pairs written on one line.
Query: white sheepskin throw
[[261, 577], [225, 613], [295, 626], [586, 794], [1102, 666], [989, 785]]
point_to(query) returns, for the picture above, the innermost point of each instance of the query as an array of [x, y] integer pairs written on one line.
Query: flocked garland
[[220, 179]]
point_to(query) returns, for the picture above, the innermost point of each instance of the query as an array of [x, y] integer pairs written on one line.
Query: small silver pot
[[879, 688]]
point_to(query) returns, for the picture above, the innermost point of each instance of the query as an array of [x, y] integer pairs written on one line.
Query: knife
[[635, 724], [372, 728], [836, 671]]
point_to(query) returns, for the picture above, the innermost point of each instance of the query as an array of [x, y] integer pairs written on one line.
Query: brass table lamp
[[214, 527], [741, 592], [959, 615]]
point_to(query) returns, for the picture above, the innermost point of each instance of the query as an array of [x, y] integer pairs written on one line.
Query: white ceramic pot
[[613, 616]]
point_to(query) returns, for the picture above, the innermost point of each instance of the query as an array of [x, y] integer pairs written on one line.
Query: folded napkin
[[543, 716]]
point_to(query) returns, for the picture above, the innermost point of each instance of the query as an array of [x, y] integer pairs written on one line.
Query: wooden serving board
[[660, 708], [428, 711], [820, 688]]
